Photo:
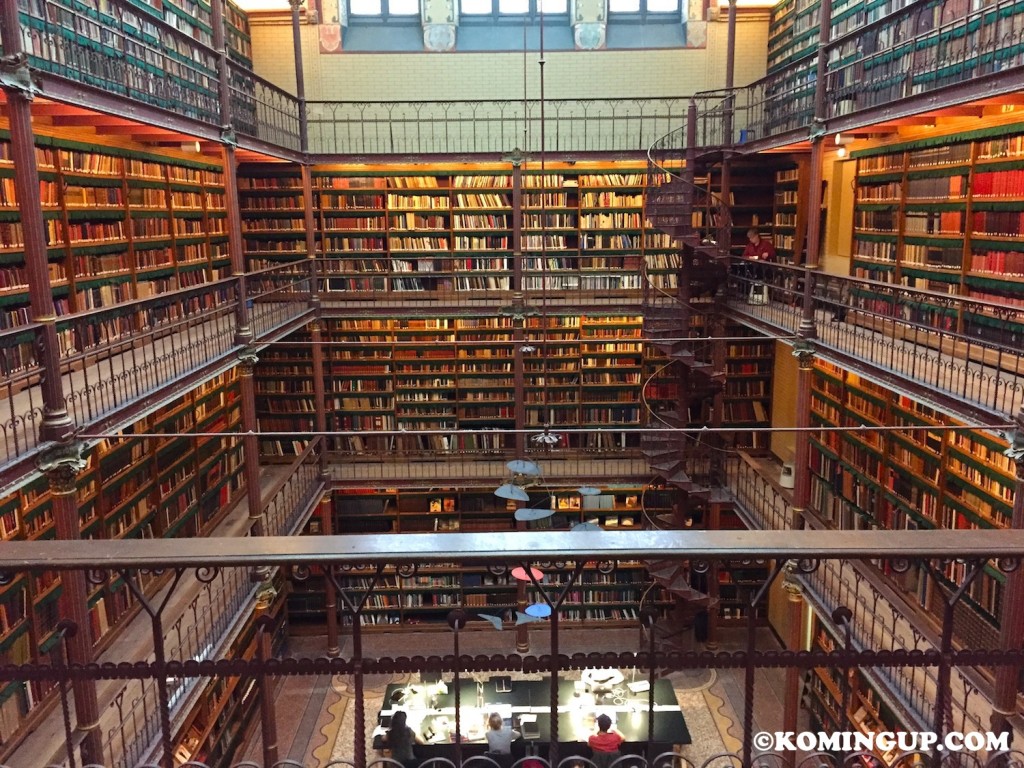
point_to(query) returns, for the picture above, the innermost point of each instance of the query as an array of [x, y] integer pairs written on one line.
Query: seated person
[[400, 739], [606, 742], [499, 736], [758, 249]]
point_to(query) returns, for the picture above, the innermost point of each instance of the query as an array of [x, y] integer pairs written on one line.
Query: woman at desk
[[400, 739], [499, 736]]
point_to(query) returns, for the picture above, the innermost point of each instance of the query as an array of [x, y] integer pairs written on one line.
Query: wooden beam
[[964, 110], [53, 109], [92, 120], [148, 131]]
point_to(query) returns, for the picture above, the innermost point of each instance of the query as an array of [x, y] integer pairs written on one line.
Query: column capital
[[803, 351], [247, 360], [16, 77], [1016, 449], [62, 465]]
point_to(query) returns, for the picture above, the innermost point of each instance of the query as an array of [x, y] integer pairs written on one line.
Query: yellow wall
[[839, 199], [784, 379], [567, 74]]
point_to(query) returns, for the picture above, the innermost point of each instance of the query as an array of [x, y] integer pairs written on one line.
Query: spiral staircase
[[680, 311]]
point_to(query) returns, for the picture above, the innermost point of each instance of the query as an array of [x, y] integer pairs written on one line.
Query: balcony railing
[[491, 126], [354, 564], [205, 625], [114, 356], [907, 53], [967, 349], [882, 621]]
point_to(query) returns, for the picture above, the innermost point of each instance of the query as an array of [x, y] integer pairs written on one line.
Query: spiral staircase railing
[[679, 312]]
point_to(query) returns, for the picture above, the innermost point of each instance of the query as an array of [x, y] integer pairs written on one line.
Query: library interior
[[640, 376]]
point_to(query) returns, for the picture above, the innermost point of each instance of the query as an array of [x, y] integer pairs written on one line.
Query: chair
[[503, 759], [605, 759]]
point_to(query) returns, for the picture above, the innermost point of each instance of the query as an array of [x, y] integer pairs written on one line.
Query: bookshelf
[[152, 41], [946, 216], [448, 229], [273, 214], [122, 223], [451, 373], [909, 479], [867, 710], [789, 218], [130, 488], [215, 726], [752, 199]]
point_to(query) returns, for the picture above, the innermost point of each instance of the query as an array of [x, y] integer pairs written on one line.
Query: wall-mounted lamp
[[841, 143]]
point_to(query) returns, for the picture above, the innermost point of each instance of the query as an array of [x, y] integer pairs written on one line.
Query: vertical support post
[[1011, 625], [714, 523], [250, 443], [319, 396], [359, 707], [56, 423], [330, 593], [519, 331], [62, 466], [236, 248], [553, 747], [794, 639], [268, 710], [310, 223], [648, 619], [804, 351], [457, 620], [300, 75]]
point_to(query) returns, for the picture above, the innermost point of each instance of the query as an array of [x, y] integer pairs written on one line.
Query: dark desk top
[[532, 698]]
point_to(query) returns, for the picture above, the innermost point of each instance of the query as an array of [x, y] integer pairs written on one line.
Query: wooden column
[[62, 466], [319, 396], [713, 523], [1011, 619]]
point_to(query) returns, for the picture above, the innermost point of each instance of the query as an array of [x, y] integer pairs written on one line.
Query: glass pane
[[555, 6], [513, 6], [365, 7], [404, 7], [662, 6], [477, 6], [623, 6]]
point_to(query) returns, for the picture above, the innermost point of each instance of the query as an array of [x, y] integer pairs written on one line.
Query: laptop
[[503, 684], [528, 727]]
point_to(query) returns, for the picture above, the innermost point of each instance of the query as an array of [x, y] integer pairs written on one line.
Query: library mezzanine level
[[405, 381]]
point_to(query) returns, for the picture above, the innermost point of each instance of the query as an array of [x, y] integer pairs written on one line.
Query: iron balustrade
[[112, 357], [355, 565], [277, 296], [906, 53], [882, 618], [967, 349], [204, 627], [263, 111], [490, 126]]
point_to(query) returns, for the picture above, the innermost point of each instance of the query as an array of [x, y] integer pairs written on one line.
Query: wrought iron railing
[[880, 620], [205, 626], [906, 53], [355, 565], [261, 110], [968, 349], [490, 126], [114, 356]]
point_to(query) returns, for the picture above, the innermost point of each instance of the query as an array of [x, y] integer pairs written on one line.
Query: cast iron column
[[804, 352], [330, 593], [1011, 624], [250, 443], [62, 466], [300, 75], [18, 90], [268, 710], [236, 247], [794, 640]]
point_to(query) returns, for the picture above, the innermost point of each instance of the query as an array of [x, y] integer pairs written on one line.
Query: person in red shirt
[[758, 249], [605, 740]]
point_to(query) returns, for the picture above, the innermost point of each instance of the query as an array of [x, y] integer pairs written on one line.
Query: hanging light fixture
[[520, 574], [523, 467], [511, 492], [528, 514]]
